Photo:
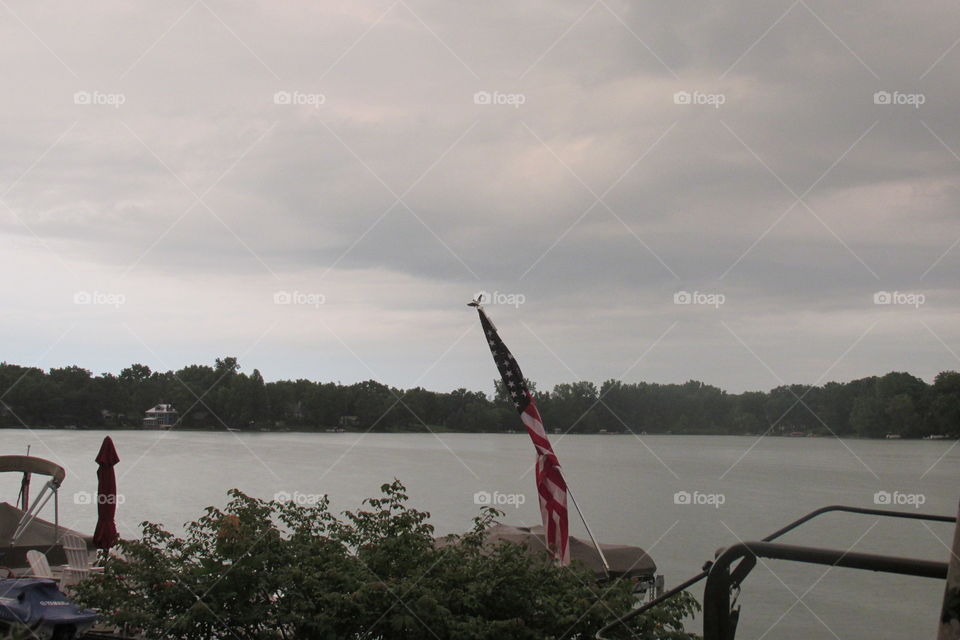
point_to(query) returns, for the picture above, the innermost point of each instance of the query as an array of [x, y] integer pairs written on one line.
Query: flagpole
[[603, 558]]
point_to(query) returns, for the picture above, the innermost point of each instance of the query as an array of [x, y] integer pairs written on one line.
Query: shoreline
[[440, 430]]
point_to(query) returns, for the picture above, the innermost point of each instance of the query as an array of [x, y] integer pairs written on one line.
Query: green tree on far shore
[[224, 395]]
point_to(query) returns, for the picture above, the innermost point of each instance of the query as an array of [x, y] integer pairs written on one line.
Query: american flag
[[551, 487]]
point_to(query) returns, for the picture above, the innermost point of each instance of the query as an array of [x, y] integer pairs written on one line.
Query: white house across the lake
[[162, 416]]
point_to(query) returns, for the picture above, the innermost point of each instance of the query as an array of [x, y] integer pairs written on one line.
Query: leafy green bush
[[260, 570], [16, 632]]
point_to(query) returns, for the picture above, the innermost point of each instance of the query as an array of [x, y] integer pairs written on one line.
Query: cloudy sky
[[318, 188]]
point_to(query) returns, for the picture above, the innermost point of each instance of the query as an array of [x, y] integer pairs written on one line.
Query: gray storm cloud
[[398, 157]]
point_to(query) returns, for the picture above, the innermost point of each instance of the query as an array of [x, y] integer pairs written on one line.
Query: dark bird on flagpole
[[474, 303]]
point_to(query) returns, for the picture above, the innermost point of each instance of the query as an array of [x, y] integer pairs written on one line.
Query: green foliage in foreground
[[16, 632], [259, 570]]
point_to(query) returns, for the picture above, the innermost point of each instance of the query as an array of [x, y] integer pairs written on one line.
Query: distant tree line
[[222, 396]]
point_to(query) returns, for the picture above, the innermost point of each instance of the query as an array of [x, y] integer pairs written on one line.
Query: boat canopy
[[31, 464], [28, 465]]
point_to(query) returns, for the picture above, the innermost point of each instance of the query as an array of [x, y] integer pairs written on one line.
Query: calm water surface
[[625, 486]]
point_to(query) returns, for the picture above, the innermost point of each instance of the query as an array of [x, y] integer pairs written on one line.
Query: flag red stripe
[[551, 487]]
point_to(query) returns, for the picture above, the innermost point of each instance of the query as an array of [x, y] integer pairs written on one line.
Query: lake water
[[626, 487]]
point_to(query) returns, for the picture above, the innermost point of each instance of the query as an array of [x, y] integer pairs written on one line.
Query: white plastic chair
[[78, 566], [39, 566]]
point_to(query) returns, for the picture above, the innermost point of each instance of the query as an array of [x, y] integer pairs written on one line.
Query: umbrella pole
[[603, 558], [25, 488]]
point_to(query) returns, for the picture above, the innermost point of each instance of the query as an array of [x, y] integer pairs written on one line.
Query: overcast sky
[[318, 188]]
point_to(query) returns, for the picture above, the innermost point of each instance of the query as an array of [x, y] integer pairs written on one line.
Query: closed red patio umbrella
[[106, 534]]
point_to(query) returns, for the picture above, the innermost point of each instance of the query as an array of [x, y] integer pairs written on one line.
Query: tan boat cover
[[40, 535], [624, 560]]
